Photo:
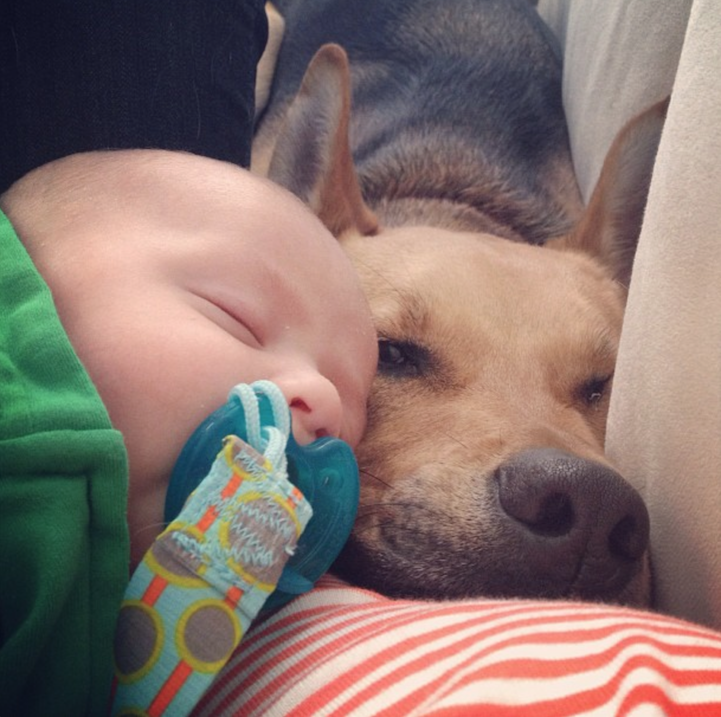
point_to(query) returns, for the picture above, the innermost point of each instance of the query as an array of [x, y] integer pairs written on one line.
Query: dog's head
[[482, 467]]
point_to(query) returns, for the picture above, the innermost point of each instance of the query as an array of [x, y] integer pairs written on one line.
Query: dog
[[430, 138]]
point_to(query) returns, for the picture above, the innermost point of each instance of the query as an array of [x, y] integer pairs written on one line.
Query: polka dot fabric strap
[[206, 577]]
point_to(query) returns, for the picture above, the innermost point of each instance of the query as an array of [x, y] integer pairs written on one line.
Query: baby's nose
[[315, 406]]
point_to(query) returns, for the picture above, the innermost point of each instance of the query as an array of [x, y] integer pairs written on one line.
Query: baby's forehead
[[168, 207], [175, 187]]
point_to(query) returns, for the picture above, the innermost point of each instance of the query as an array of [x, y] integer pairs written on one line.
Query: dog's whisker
[[363, 529], [380, 275], [155, 527], [393, 504], [370, 509], [455, 438], [365, 472]]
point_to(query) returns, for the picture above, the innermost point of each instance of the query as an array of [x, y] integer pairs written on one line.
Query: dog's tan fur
[[508, 370], [519, 341]]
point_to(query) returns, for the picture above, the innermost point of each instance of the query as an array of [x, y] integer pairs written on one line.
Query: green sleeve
[[63, 494]]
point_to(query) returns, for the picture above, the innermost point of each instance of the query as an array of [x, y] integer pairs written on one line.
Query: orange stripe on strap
[[232, 596], [232, 486], [170, 689], [208, 518], [154, 590]]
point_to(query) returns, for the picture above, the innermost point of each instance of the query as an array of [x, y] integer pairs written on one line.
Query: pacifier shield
[[325, 471]]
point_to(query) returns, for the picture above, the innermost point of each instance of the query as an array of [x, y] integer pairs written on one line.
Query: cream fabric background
[[665, 422]]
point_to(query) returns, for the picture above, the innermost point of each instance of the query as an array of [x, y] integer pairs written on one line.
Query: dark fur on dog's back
[[514, 139]]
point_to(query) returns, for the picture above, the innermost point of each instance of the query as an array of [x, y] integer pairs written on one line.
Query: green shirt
[[63, 496]]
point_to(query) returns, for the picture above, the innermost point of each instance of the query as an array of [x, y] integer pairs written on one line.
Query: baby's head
[[177, 277]]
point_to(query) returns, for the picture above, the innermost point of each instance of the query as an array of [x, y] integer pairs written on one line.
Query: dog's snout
[[579, 521], [629, 537]]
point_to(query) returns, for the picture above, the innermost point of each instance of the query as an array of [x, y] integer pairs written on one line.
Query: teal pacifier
[[325, 471]]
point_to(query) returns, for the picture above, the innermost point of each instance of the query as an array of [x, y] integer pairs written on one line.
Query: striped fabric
[[343, 651]]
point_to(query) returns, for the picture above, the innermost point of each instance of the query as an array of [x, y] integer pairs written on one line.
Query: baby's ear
[[312, 156], [611, 224]]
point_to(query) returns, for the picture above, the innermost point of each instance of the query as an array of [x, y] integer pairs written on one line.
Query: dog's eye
[[400, 358], [593, 391]]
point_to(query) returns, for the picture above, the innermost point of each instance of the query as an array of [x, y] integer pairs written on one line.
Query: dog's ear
[[611, 224], [312, 156], [268, 60]]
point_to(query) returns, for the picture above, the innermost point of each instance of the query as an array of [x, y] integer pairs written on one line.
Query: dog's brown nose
[[577, 522]]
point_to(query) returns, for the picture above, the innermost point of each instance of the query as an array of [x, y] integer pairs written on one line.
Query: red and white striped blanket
[[344, 651]]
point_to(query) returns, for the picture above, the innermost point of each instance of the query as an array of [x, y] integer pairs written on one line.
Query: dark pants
[[78, 75]]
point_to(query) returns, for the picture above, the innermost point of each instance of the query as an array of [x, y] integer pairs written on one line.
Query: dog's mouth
[[544, 524]]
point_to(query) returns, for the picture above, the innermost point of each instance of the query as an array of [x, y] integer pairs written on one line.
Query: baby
[[174, 278]]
